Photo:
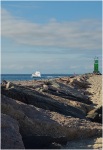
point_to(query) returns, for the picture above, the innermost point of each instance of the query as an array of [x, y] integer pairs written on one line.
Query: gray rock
[[80, 83], [37, 99], [45, 88], [10, 136], [69, 93], [34, 121]]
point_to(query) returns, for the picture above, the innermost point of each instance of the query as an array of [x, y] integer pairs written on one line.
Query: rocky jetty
[[47, 114]]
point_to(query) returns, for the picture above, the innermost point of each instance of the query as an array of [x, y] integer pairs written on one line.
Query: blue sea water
[[22, 77]]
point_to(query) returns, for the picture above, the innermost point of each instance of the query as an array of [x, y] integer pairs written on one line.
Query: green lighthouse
[[96, 65]]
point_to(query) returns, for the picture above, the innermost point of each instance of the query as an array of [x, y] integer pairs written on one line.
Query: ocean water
[[22, 77]]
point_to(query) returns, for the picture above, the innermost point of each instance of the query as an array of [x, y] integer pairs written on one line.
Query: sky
[[50, 36]]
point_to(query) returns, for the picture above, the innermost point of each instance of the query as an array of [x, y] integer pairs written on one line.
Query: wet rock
[[10, 136]]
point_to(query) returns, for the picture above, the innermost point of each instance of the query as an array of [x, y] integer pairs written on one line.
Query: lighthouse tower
[[96, 65]]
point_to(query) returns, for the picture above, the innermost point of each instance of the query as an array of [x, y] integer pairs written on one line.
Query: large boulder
[[10, 136], [37, 99], [80, 83], [43, 142], [58, 89], [35, 121], [69, 92]]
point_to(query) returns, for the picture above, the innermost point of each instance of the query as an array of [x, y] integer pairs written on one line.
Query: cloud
[[23, 5], [82, 34]]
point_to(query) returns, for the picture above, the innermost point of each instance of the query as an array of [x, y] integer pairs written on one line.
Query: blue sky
[[52, 37]]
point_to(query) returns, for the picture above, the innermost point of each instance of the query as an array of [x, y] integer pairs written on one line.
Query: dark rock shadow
[[43, 142]]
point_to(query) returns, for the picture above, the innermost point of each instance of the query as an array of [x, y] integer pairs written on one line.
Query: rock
[[71, 76], [49, 118], [99, 109], [68, 92], [37, 142], [37, 99], [95, 115], [85, 108], [10, 136], [4, 82], [48, 82], [9, 85], [90, 143], [28, 94], [80, 84], [35, 121], [54, 146], [53, 83], [82, 106], [54, 88], [42, 142], [45, 88]]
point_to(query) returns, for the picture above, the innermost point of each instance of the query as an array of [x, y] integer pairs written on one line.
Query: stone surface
[[37, 99], [90, 143], [35, 121], [95, 115], [10, 136], [9, 85], [43, 142], [51, 113]]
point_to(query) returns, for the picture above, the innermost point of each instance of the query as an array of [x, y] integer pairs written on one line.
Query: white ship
[[36, 74]]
